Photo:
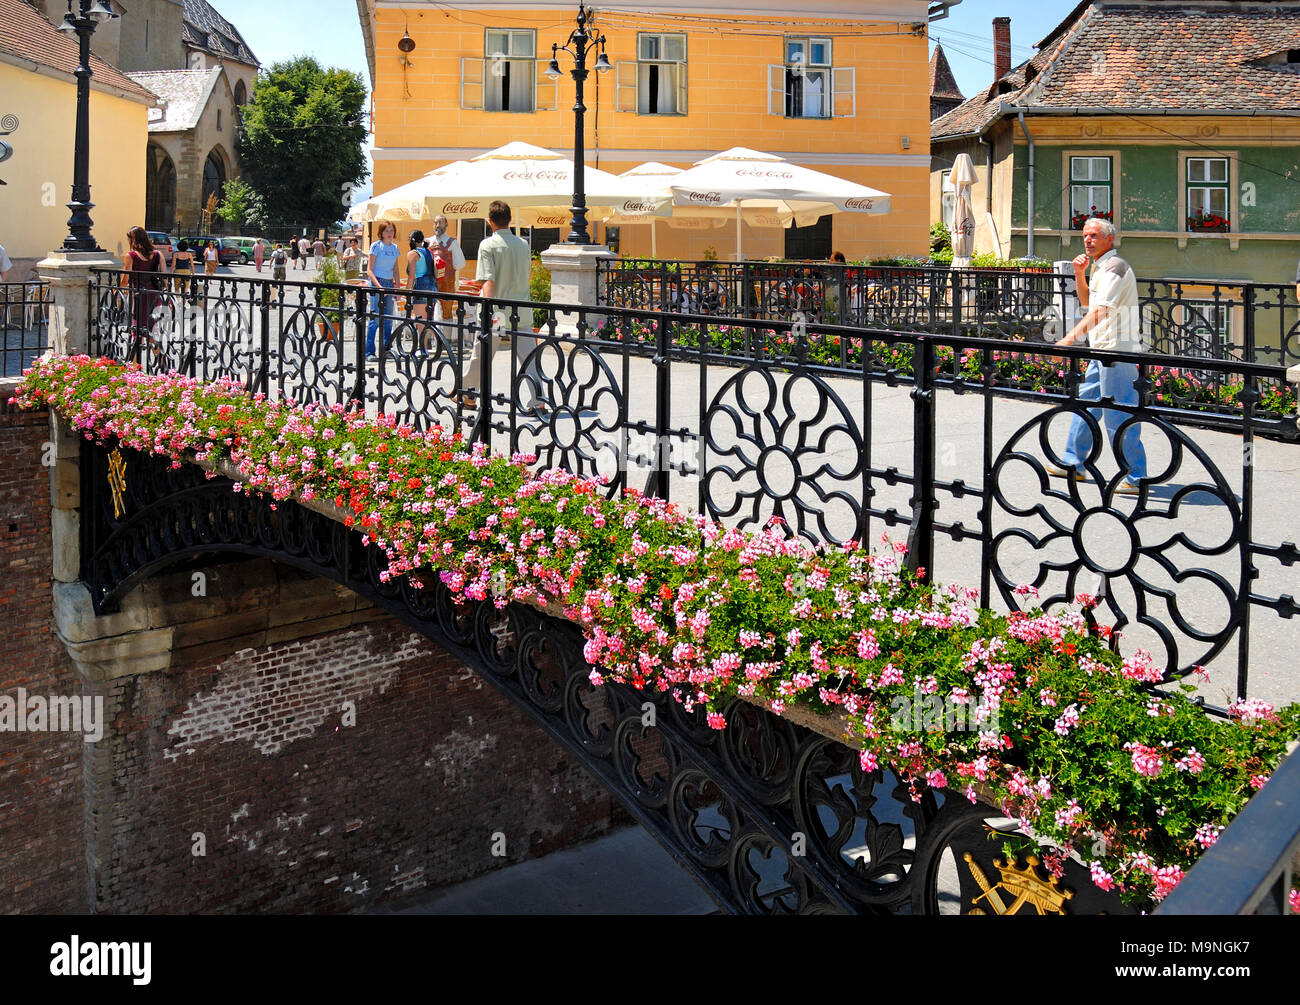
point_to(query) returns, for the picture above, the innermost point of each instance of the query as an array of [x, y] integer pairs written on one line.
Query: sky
[[967, 35]]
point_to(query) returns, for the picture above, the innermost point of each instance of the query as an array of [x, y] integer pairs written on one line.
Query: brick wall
[[240, 749], [42, 857], [249, 760]]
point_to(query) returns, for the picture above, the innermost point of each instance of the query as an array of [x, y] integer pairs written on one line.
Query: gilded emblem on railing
[[117, 482], [1024, 886]]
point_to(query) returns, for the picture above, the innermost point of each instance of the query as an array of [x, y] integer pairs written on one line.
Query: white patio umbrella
[[740, 178], [962, 177], [533, 180]]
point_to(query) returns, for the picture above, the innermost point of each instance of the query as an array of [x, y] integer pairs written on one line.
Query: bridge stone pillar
[[574, 280], [68, 273]]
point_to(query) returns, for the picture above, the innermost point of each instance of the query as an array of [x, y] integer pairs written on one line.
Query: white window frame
[[518, 62], [1208, 185], [627, 75], [839, 83], [1085, 181]]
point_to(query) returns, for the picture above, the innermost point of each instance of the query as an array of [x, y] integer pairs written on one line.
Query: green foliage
[[301, 142], [330, 271], [940, 239], [539, 289], [241, 205], [710, 254]]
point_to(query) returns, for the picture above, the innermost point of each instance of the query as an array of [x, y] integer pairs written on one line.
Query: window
[[807, 78], [807, 85], [656, 83], [509, 77], [811, 242], [540, 238], [472, 231], [1091, 190], [1207, 194], [1207, 326]]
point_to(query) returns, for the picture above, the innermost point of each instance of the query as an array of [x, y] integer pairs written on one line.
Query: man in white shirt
[[5, 265], [1112, 323], [504, 262], [304, 249]]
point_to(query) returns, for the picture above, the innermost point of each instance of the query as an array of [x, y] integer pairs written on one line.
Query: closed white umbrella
[[962, 177], [740, 178]]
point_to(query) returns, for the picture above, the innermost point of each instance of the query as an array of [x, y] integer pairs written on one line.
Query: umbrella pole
[[740, 251], [654, 247]]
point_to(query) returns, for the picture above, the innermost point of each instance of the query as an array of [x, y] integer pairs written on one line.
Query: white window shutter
[[775, 90], [471, 83], [548, 90], [625, 73], [681, 88], [844, 96]]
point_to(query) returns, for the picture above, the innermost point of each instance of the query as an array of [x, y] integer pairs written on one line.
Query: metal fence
[[917, 435], [24, 323]]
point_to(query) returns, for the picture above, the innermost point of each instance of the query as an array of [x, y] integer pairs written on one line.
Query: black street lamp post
[[90, 14], [583, 42]]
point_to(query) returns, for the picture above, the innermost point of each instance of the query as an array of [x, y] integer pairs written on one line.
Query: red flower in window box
[[1077, 220], [1208, 223]]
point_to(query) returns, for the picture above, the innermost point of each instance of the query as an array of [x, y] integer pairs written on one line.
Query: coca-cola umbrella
[[534, 181], [739, 178]]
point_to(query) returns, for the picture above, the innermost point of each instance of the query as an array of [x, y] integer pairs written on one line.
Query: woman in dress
[[210, 259], [147, 279], [259, 253]]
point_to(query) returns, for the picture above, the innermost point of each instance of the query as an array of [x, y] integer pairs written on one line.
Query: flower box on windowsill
[[1211, 224]]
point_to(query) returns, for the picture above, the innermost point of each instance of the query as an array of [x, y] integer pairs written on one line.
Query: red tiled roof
[[942, 83], [1167, 56], [26, 34]]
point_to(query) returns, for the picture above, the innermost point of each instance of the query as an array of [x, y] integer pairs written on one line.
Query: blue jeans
[[1108, 381], [380, 304]]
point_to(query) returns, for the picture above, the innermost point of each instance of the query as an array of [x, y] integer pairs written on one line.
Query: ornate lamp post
[[90, 14], [582, 42]]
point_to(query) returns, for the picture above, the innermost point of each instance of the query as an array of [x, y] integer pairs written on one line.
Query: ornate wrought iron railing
[[24, 324], [1255, 322], [767, 429]]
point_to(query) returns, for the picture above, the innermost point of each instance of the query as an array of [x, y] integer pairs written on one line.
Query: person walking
[[304, 249], [259, 253], [1111, 324], [382, 270], [5, 265], [183, 270], [504, 262], [351, 260], [318, 252], [210, 259], [446, 280], [279, 262]]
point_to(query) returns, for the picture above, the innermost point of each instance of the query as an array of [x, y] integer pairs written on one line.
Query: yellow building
[[36, 64], [843, 87]]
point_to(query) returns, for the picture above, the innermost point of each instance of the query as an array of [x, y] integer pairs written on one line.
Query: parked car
[[164, 243], [227, 253], [245, 246]]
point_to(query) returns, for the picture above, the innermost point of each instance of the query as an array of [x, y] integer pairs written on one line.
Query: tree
[[241, 205], [301, 142]]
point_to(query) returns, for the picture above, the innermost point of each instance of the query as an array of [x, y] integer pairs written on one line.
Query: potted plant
[[330, 298], [1077, 220]]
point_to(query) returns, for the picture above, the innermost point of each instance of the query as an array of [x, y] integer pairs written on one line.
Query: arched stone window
[[214, 176], [241, 93], [159, 190]]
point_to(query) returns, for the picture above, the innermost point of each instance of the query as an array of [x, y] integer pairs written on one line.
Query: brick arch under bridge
[[769, 815]]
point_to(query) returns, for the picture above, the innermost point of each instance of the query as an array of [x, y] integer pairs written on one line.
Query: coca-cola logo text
[[856, 203], [460, 208], [638, 207], [706, 198], [755, 173], [536, 176]]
